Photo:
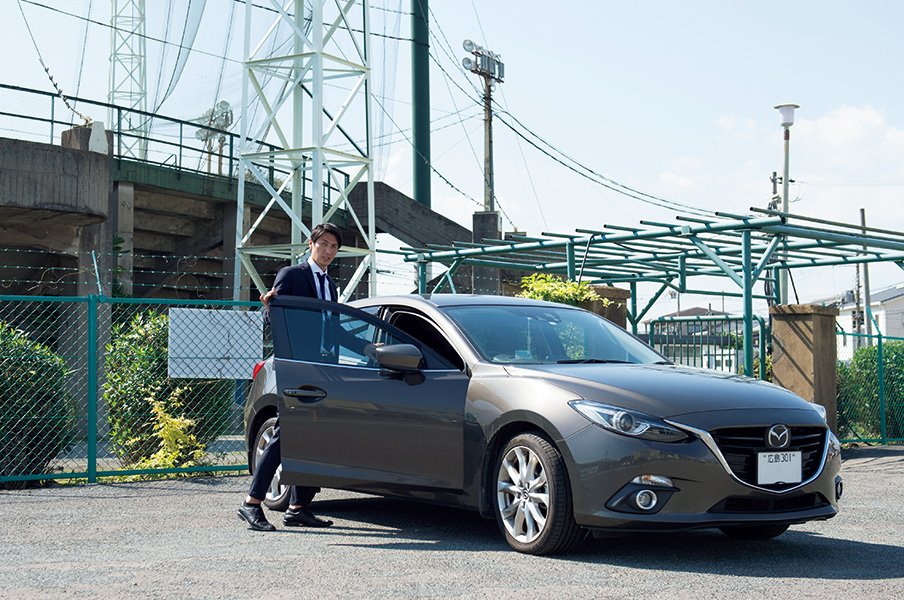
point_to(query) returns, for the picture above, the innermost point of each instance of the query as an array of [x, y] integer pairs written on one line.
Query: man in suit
[[311, 280]]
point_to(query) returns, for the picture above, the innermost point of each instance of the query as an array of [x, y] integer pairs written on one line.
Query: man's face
[[323, 251]]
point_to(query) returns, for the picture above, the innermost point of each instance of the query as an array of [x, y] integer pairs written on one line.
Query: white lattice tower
[[128, 76], [315, 117]]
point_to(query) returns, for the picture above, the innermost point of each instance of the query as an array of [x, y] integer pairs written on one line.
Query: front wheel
[[277, 494], [754, 532], [533, 501]]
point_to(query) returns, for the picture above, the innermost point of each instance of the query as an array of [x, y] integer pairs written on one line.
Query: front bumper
[[706, 494]]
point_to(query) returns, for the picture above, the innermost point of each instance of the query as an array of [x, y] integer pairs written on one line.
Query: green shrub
[[136, 368], [859, 405], [179, 447], [37, 415], [545, 286]]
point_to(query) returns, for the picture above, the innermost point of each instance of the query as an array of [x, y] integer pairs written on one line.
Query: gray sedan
[[546, 417]]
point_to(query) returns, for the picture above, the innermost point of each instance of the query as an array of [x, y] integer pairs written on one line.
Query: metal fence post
[[92, 388], [881, 366], [52, 117]]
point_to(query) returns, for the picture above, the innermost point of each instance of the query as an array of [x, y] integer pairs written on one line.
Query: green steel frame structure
[[743, 248]]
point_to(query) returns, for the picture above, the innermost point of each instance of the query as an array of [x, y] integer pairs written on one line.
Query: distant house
[[886, 305], [690, 327]]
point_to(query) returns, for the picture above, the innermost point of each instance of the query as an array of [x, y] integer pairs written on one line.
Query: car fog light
[[658, 480], [645, 499], [839, 488]]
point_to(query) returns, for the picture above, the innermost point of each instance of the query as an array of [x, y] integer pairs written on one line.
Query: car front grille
[[740, 445], [745, 504]]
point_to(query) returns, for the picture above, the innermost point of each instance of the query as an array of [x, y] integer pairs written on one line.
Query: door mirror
[[403, 358]]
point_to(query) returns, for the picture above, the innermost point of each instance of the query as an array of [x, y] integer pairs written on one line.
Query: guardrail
[[191, 145]]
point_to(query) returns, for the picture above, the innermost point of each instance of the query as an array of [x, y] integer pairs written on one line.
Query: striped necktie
[[324, 291], [327, 333]]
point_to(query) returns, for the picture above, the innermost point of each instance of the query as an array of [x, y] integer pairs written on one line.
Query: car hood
[[662, 390]]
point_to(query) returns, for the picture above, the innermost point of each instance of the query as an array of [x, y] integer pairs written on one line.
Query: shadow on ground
[[404, 525]]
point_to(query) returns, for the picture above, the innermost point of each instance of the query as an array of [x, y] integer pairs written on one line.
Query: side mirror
[[401, 358]]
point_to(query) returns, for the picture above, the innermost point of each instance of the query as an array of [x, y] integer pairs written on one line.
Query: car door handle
[[303, 395]]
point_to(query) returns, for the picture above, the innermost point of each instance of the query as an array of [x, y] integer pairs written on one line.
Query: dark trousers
[[267, 464]]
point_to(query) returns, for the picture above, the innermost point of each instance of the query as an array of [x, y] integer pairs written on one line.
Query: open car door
[[362, 404]]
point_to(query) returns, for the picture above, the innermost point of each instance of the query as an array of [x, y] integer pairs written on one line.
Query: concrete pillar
[[804, 355], [95, 264], [616, 310], [123, 246], [485, 279], [229, 262]]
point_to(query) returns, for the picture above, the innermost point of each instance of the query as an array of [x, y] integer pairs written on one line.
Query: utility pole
[[867, 310], [488, 65], [420, 99]]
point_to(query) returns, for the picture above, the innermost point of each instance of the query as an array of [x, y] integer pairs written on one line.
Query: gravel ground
[[182, 539]]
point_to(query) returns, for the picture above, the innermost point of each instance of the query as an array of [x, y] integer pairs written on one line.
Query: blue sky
[[672, 98]]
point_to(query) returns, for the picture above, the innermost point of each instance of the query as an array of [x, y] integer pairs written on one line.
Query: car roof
[[444, 300]]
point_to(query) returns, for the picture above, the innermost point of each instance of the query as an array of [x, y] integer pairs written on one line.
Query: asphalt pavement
[[181, 538]]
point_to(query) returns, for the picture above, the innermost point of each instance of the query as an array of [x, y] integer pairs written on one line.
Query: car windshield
[[544, 334]]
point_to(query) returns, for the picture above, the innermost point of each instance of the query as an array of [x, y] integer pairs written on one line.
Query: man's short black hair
[[326, 228]]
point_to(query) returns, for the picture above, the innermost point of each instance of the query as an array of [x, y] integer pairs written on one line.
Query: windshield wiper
[[662, 362], [575, 361]]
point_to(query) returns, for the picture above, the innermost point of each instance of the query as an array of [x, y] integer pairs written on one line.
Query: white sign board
[[214, 344]]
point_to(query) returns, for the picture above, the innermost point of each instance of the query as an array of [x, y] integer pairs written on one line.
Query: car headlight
[[628, 422]]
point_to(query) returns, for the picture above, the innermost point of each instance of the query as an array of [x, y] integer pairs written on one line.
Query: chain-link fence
[[93, 386], [870, 388]]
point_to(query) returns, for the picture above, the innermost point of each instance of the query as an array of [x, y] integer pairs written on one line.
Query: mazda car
[[547, 418]]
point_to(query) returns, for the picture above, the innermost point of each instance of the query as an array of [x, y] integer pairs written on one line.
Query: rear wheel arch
[[260, 417]]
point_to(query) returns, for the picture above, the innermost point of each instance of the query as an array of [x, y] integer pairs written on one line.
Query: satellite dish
[[467, 63], [468, 45]]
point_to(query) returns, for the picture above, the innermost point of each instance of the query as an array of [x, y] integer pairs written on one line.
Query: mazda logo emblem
[[778, 436]]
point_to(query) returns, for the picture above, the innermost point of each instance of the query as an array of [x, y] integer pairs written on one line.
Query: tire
[[754, 532], [277, 495], [533, 500]]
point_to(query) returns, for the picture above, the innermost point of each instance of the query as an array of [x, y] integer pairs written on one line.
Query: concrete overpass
[[155, 230]]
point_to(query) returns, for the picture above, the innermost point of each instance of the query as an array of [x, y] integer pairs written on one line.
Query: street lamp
[[787, 114], [488, 65]]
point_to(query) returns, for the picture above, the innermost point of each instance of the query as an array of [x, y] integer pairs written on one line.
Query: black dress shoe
[[303, 517], [253, 514]]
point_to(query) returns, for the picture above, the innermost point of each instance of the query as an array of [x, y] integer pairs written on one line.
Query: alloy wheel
[[522, 493], [276, 491]]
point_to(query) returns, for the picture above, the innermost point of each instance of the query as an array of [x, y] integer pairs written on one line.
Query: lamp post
[[787, 115], [485, 225], [488, 65]]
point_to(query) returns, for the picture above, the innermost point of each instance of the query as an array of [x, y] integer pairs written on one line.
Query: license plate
[[778, 467]]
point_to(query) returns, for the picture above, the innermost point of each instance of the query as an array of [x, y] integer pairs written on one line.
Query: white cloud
[[744, 130], [671, 180]]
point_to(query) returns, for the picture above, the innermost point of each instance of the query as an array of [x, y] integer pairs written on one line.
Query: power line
[[60, 93], [596, 177], [111, 27], [625, 191], [432, 168]]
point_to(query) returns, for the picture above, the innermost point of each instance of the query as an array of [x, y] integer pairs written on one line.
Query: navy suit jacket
[[298, 280]]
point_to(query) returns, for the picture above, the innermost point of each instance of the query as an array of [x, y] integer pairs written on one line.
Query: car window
[[330, 333], [540, 334], [421, 328]]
